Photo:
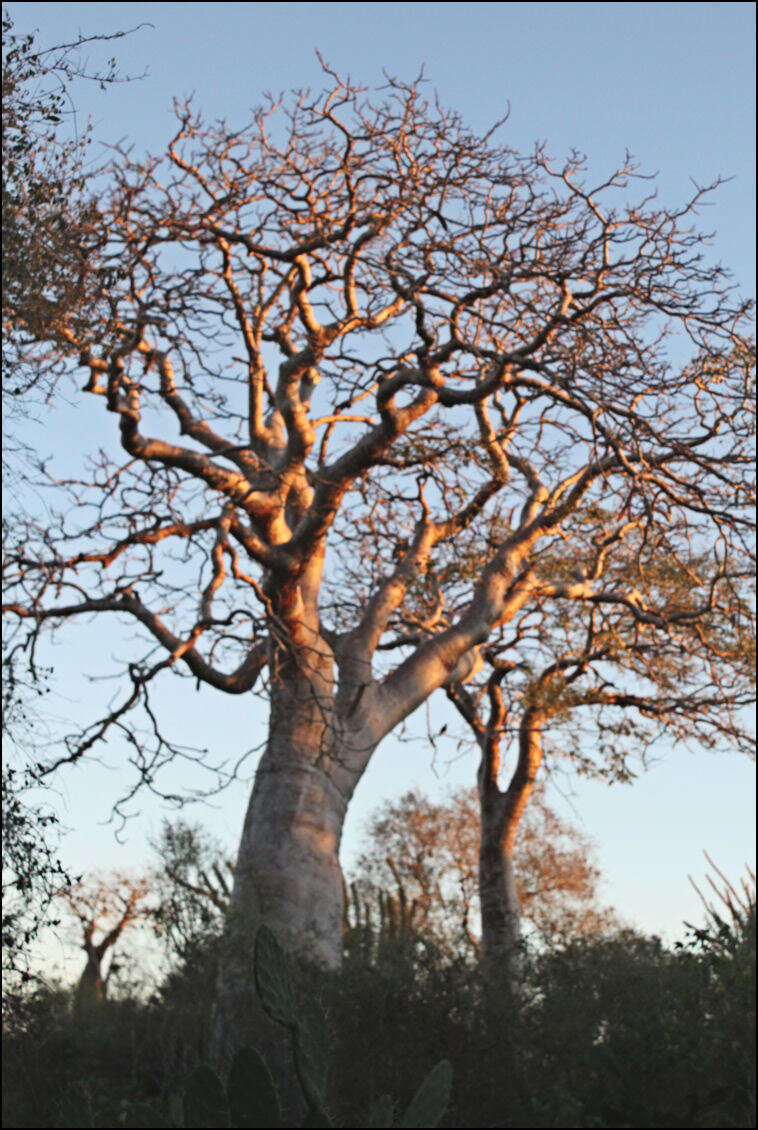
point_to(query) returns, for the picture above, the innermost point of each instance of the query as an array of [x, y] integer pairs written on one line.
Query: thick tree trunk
[[287, 871], [91, 987], [287, 868]]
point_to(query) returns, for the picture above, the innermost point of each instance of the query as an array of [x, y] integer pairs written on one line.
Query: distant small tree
[[109, 905], [420, 869]]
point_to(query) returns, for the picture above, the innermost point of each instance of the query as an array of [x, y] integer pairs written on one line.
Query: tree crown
[[445, 370]]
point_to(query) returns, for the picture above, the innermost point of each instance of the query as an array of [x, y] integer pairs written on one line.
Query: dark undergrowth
[[613, 1032]]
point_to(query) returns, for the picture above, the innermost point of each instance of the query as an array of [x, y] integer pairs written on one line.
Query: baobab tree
[[108, 904], [351, 299], [603, 685]]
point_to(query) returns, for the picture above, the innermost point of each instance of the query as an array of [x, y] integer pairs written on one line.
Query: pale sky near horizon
[[672, 83]]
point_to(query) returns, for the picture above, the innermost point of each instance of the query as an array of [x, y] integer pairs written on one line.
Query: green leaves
[[76, 1107]]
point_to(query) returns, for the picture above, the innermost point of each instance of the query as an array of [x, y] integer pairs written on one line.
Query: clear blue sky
[[674, 84]]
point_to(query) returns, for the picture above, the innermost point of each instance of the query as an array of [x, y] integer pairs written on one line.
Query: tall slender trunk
[[500, 814], [501, 923]]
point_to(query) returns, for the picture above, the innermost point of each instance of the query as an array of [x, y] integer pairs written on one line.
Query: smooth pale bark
[[287, 872], [287, 868]]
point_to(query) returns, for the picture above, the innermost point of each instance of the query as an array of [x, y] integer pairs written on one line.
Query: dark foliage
[[618, 1031], [32, 871]]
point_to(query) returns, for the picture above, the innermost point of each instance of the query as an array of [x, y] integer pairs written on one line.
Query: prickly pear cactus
[[426, 1108], [272, 979], [380, 1114], [205, 1100], [253, 1098], [430, 1101], [312, 1042], [306, 1020]]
